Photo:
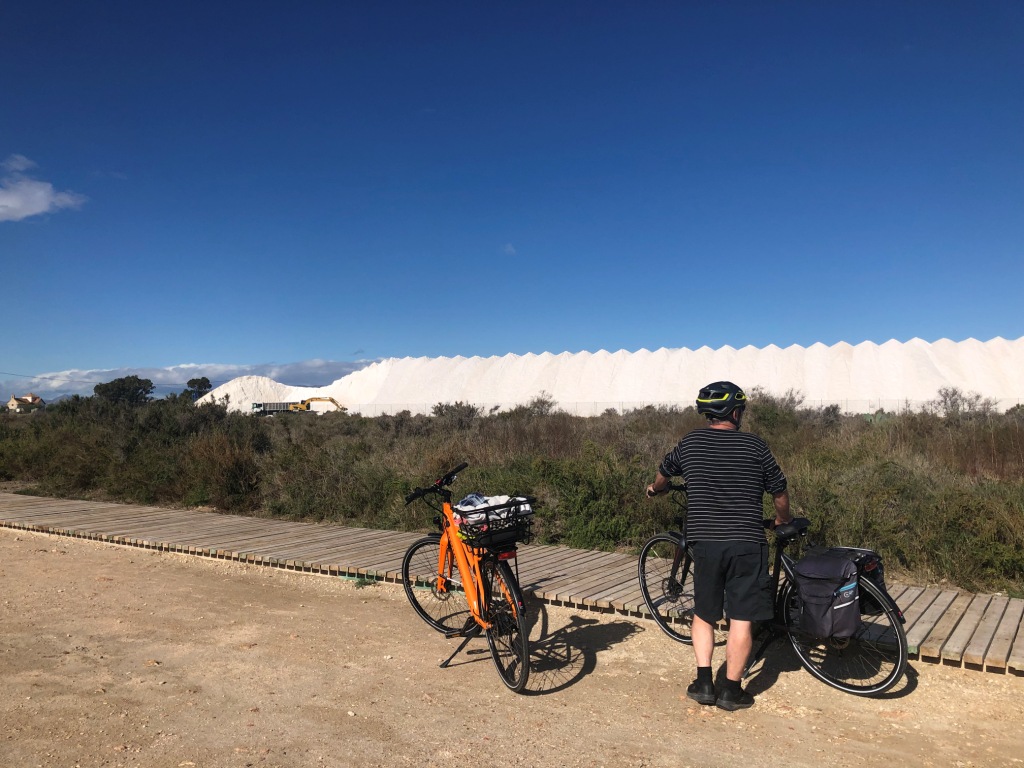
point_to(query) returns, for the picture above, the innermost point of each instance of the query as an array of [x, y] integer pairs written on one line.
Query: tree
[[197, 387], [129, 389]]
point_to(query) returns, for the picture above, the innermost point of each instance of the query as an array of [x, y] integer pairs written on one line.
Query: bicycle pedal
[[472, 629]]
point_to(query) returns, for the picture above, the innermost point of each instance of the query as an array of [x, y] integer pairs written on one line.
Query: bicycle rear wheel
[[433, 585], [509, 634], [666, 582], [869, 663]]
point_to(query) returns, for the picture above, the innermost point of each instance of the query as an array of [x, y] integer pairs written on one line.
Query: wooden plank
[[1002, 642], [365, 558], [343, 541], [69, 520], [913, 611], [544, 563], [897, 593], [926, 623], [177, 530], [603, 577], [574, 561], [338, 550], [355, 558], [954, 648], [48, 511], [76, 505], [907, 597], [982, 637], [626, 597], [548, 588], [582, 588], [153, 528], [293, 544], [931, 647], [201, 536], [216, 535], [1015, 661], [613, 581], [613, 597], [396, 542]]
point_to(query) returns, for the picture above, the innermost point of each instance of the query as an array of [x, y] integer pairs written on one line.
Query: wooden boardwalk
[[981, 632]]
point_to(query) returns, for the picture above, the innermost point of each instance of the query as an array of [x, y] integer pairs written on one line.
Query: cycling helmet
[[718, 400]]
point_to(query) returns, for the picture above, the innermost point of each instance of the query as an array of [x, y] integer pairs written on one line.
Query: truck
[[268, 409]]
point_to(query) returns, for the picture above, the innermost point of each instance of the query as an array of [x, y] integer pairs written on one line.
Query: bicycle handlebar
[[438, 487]]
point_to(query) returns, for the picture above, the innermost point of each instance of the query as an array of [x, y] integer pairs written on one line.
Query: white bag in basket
[[474, 508]]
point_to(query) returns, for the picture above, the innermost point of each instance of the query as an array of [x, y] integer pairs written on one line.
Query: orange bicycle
[[460, 581]]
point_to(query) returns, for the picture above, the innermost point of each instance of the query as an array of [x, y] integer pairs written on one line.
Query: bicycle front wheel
[[869, 663], [433, 585], [509, 634], [666, 582]]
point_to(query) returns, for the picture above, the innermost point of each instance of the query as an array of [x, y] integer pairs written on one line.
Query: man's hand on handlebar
[[663, 485]]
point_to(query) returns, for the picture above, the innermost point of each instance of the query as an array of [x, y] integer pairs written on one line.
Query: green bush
[[939, 493]]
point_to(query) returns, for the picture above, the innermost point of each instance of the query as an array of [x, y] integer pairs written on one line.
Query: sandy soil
[[113, 656]]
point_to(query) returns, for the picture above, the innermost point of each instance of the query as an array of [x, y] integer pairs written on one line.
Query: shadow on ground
[[561, 656]]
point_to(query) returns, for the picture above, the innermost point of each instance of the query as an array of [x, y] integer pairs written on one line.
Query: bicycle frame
[[467, 561], [782, 564]]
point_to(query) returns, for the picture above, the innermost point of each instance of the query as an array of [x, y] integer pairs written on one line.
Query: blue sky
[[251, 186]]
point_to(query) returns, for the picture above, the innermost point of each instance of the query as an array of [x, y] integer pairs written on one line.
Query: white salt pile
[[860, 378]]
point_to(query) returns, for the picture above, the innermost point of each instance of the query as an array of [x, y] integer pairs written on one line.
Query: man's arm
[[782, 514], [659, 486]]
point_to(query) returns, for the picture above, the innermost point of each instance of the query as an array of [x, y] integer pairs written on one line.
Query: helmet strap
[[736, 417]]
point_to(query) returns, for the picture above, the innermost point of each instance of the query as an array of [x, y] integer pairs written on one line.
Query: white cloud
[[509, 249], [21, 196], [174, 378], [17, 164]]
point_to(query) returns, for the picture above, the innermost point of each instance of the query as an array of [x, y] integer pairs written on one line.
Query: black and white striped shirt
[[726, 474]]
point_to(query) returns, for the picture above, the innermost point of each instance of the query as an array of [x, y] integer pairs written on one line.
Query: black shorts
[[732, 575]]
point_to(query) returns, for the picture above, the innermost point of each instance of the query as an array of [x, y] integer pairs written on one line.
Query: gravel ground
[[113, 656]]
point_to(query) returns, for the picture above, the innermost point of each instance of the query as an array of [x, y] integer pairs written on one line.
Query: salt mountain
[[860, 378]]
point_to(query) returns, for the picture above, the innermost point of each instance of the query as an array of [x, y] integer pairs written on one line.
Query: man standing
[[727, 472]]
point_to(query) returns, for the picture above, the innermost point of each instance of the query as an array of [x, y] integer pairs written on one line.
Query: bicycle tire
[[509, 635], [666, 582], [869, 663], [437, 597]]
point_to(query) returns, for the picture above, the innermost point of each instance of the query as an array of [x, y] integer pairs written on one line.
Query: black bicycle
[[868, 663]]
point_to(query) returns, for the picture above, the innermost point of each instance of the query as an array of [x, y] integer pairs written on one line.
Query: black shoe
[[734, 699], [702, 693]]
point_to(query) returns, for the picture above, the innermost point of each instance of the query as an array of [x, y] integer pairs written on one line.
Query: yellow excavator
[[304, 405]]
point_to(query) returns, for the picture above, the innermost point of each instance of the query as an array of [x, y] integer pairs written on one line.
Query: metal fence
[[865, 406]]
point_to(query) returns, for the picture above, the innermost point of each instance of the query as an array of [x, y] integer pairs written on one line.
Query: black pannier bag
[[869, 566], [829, 595]]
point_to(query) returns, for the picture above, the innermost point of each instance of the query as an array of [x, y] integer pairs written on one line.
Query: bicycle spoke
[[868, 663], [508, 636], [667, 585], [437, 597]]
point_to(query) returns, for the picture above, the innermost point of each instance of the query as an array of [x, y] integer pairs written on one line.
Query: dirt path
[[113, 656]]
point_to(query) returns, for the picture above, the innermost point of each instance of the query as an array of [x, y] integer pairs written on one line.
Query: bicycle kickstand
[[471, 630]]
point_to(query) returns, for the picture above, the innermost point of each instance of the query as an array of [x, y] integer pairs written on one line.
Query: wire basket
[[499, 526], [497, 535]]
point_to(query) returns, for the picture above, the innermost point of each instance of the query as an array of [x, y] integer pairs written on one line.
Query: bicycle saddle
[[791, 530]]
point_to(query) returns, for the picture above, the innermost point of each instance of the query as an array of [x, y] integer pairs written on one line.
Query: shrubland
[[939, 492]]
